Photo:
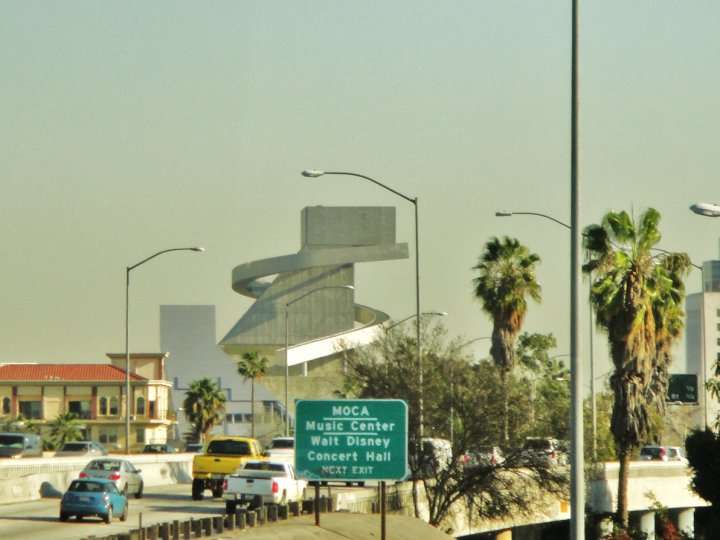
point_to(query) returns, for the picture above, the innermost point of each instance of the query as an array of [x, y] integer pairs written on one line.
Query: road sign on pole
[[351, 439]]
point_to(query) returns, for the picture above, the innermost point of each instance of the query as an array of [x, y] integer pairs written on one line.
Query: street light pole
[[314, 173], [287, 344], [127, 334]]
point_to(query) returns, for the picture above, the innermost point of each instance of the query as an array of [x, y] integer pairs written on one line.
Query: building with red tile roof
[[94, 393]]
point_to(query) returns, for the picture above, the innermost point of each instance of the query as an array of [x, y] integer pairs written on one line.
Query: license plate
[[84, 499]]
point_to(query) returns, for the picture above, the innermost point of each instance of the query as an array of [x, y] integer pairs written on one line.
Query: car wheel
[[63, 516], [230, 507], [197, 490], [79, 517], [217, 490], [304, 494], [139, 493], [124, 515], [107, 518]]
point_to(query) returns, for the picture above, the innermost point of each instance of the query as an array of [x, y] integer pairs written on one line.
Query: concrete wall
[[31, 479]]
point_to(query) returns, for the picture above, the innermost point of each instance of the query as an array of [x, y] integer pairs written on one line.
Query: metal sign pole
[[317, 504], [383, 509]]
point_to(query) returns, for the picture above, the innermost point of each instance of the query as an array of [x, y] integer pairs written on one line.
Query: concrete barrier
[[33, 478]]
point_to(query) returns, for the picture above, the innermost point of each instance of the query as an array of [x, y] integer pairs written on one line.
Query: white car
[[262, 482], [282, 449], [662, 453]]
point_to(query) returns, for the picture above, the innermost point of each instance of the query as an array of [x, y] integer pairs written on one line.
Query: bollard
[[217, 524], [272, 513], [175, 530], [229, 522], [164, 531], [294, 508], [185, 529], [207, 526], [134, 534], [251, 518], [152, 532], [308, 506], [240, 518], [196, 525], [283, 511], [323, 504], [124, 536]]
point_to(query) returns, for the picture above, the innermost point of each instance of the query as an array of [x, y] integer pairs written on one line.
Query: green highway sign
[[351, 439]]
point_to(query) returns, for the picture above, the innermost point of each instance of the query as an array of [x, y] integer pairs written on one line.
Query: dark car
[[17, 445], [159, 449], [93, 497]]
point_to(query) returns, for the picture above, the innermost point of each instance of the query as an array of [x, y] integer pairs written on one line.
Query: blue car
[[93, 497]]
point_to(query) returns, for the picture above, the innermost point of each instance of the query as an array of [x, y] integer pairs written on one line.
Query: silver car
[[81, 448], [127, 478]]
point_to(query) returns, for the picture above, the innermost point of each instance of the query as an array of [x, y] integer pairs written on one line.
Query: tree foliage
[[637, 296], [457, 389], [204, 406], [252, 366], [505, 280], [66, 427]]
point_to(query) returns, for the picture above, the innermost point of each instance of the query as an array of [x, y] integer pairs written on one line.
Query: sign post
[[352, 440]]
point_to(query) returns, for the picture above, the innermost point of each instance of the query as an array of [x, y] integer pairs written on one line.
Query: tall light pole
[[314, 173], [127, 334], [287, 344], [707, 210], [590, 343]]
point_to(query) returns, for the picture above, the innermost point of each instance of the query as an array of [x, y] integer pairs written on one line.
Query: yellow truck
[[223, 456]]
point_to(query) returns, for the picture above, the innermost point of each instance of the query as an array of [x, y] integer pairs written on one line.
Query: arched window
[[6, 403], [140, 406], [103, 406], [113, 406]]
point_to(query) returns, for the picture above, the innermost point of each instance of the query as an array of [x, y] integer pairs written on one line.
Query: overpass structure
[[666, 483]]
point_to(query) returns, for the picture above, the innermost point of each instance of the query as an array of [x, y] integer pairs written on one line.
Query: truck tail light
[[275, 487], [225, 485]]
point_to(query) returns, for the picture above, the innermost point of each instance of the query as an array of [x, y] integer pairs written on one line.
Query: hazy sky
[[130, 127]]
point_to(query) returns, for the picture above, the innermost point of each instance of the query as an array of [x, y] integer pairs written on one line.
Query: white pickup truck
[[262, 482]]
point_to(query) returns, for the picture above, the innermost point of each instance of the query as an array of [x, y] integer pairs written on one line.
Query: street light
[[315, 173], [707, 210], [423, 314], [127, 333], [287, 345]]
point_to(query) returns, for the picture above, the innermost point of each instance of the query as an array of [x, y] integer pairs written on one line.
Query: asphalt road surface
[[38, 520]]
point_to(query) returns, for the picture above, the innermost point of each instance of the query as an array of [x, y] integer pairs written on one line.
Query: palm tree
[[637, 297], [506, 277], [66, 427], [204, 406], [252, 366]]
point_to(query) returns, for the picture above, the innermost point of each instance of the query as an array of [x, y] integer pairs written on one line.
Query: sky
[[131, 127]]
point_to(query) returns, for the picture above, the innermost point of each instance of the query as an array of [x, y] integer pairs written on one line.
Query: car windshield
[[282, 443], [264, 466], [104, 465], [234, 448], [84, 486], [11, 441], [73, 447]]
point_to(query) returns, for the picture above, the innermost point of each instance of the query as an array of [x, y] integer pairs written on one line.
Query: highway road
[[38, 520]]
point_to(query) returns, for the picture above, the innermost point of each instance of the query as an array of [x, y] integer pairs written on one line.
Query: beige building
[[95, 393]]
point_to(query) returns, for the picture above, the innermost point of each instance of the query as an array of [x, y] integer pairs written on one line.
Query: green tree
[[204, 406], [505, 279], [252, 366], [387, 368], [637, 296], [66, 427]]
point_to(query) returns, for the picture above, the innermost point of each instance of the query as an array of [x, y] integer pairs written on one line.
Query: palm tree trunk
[[252, 407], [622, 516], [506, 407]]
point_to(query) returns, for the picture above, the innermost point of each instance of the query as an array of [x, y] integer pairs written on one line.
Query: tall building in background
[[188, 334], [703, 331]]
